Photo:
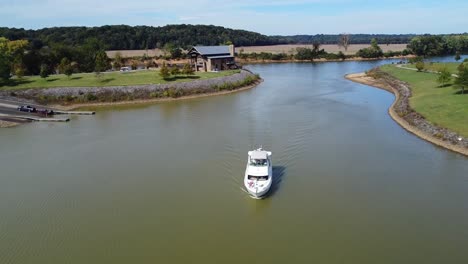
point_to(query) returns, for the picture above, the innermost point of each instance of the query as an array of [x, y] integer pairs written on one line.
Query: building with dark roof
[[212, 58]]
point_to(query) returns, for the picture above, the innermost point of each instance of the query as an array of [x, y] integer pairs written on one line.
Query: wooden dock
[[58, 112], [38, 119]]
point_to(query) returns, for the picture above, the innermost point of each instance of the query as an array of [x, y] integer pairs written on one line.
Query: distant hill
[[122, 37]]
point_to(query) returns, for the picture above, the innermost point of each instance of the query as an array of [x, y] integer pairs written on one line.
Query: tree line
[[122, 37], [431, 45], [23, 57]]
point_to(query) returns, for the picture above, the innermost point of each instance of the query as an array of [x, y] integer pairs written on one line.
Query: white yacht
[[259, 173]]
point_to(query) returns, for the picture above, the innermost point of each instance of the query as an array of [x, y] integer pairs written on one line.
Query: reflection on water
[[162, 183]]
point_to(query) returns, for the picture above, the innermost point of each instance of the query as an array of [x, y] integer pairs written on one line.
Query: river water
[[162, 183]]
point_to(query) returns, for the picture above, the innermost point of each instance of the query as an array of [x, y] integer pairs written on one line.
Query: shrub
[[164, 71], [175, 70], [44, 73], [91, 97], [444, 77], [415, 59], [420, 66], [188, 70]]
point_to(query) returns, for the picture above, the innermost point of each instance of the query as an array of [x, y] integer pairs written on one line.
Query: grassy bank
[[442, 106], [436, 66], [105, 79]]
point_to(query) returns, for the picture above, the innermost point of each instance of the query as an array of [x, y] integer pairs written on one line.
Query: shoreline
[[6, 124], [363, 78], [155, 100], [259, 61]]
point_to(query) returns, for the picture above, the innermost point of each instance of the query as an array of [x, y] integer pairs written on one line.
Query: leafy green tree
[[88, 53], [44, 71], [304, 54], [102, 62], [176, 53], [164, 71], [341, 55], [420, 66], [66, 67], [64, 63], [11, 52], [188, 70], [462, 80], [374, 51], [19, 70], [167, 49], [118, 60], [444, 76], [457, 56], [175, 70], [5, 65], [427, 45], [374, 44]]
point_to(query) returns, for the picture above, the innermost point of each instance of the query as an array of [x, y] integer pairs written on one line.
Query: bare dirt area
[[135, 53], [289, 49]]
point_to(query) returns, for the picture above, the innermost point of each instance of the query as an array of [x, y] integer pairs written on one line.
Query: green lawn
[[436, 66], [105, 79], [442, 106]]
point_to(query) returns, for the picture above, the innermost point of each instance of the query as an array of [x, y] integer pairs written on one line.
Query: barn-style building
[[212, 58]]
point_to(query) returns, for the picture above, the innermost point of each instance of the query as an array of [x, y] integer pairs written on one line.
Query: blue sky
[[268, 17]]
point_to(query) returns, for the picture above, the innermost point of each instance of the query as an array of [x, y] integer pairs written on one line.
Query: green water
[[163, 183]]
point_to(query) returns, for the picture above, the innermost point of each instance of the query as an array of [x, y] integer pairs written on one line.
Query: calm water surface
[[162, 183]]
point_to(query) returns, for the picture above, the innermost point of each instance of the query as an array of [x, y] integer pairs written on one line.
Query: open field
[[442, 106], [105, 79], [352, 49]]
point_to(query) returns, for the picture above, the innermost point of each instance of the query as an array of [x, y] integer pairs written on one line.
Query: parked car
[[125, 69], [27, 108]]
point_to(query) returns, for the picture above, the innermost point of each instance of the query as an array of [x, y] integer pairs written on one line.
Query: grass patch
[[442, 106], [436, 66], [106, 79]]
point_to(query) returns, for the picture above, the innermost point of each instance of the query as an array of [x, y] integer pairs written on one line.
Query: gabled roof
[[211, 50], [220, 57]]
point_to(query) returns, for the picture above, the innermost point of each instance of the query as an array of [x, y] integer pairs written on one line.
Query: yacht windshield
[[258, 162], [258, 178]]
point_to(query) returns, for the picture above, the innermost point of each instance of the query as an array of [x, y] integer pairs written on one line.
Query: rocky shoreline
[[405, 116], [113, 94]]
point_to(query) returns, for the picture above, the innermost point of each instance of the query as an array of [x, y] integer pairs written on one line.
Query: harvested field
[[135, 53], [352, 49]]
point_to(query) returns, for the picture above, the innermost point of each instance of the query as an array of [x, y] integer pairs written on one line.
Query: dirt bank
[[401, 112]]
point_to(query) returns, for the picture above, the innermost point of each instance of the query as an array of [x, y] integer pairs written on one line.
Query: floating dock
[[38, 119], [58, 112]]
